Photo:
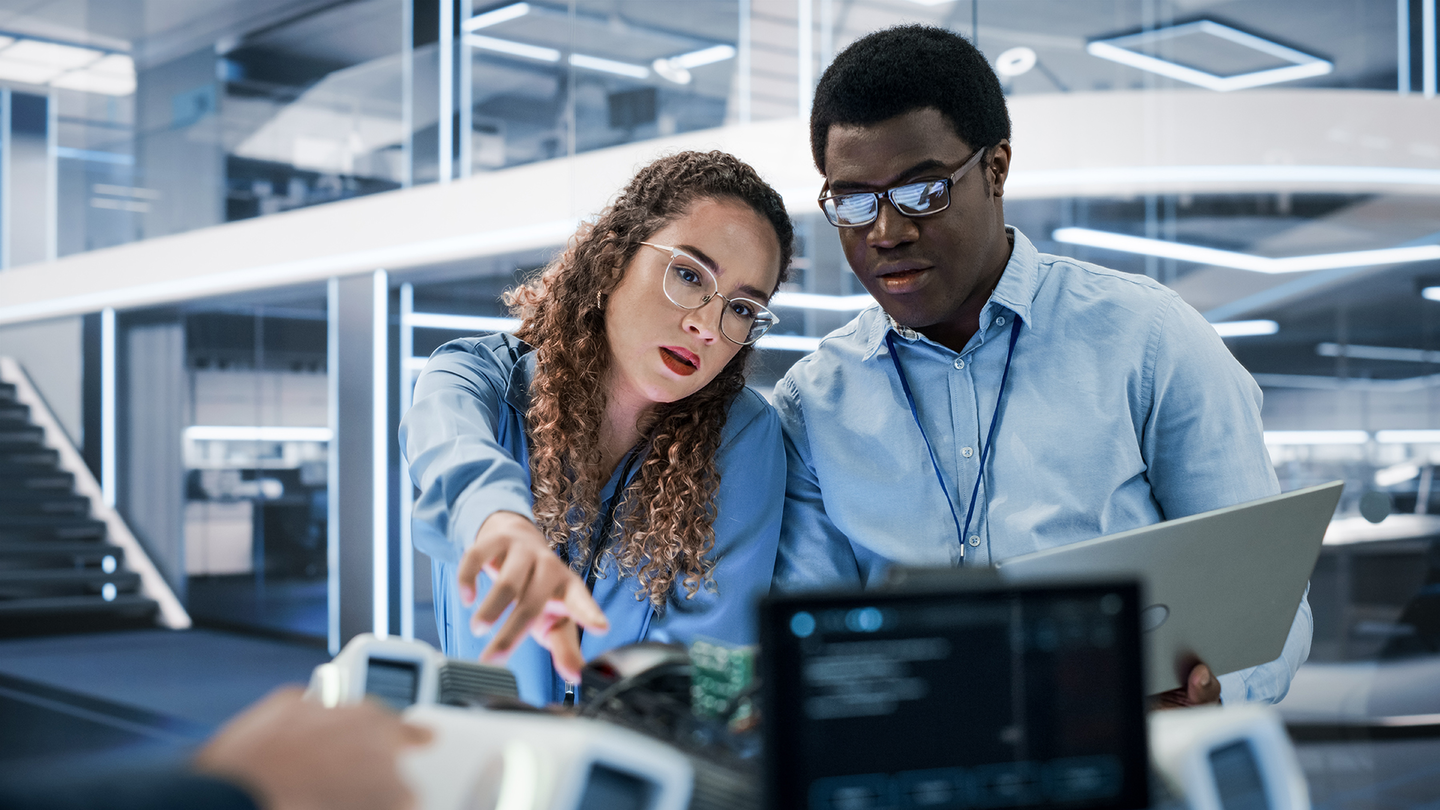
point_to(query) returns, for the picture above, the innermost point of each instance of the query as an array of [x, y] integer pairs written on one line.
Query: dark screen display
[[394, 682], [994, 698], [1237, 777], [609, 789]]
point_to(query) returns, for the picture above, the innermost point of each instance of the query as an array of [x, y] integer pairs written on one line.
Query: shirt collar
[[1015, 292]]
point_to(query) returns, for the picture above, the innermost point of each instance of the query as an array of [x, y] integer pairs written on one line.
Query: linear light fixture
[[1233, 329], [704, 56], [513, 48], [503, 14], [788, 343], [1125, 243], [596, 63], [461, 323], [827, 303], [265, 433], [1119, 49], [1430, 293], [1316, 437], [1407, 436], [1254, 175], [71, 67], [1377, 353]]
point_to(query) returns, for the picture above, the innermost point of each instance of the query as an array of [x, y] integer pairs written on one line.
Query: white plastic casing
[[1181, 741], [493, 760], [342, 681]]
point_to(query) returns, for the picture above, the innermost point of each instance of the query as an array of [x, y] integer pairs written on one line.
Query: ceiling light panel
[[50, 54], [1124, 243], [26, 72], [513, 48], [1137, 50], [499, 15]]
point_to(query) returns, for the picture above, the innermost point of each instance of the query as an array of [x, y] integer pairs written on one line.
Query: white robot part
[[1216, 758], [491, 760]]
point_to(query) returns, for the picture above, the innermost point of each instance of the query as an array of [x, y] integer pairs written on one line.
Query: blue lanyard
[[984, 448]]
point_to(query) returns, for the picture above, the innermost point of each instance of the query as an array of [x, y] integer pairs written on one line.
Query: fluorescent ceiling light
[[671, 72], [704, 56], [229, 433], [26, 72], [626, 69], [1377, 353], [461, 323], [1431, 293], [930, 2], [513, 48], [50, 54], [499, 15], [1302, 66], [1408, 436], [1124, 243], [1316, 437], [828, 303], [788, 343], [1230, 329]]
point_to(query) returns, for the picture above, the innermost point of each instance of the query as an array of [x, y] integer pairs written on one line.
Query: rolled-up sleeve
[[451, 438], [748, 505]]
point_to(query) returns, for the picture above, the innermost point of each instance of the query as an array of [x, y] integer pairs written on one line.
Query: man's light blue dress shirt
[[469, 457], [1123, 408]]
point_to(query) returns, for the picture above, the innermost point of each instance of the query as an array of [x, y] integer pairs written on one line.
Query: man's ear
[[997, 167]]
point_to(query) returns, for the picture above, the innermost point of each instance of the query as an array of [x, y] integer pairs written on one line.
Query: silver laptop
[[1220, 587]]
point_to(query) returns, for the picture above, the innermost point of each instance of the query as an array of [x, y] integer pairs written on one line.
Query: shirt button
[[967, 451], [974, 540], [959, 364], [1000, 321]]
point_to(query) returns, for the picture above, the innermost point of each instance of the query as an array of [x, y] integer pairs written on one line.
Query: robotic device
[[491, 751]]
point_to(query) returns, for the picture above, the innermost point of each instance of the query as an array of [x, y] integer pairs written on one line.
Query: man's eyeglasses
[[689, 284], [919, 199]]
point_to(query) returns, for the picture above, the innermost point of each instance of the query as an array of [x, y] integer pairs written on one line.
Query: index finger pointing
[[583, 609]]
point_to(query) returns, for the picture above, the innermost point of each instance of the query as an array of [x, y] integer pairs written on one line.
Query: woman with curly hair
[[605, 467]]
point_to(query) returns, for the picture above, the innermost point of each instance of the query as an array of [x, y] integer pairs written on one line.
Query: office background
[[230, 233]]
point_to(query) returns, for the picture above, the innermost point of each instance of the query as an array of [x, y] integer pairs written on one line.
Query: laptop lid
[[977, 695], [1220, 587]]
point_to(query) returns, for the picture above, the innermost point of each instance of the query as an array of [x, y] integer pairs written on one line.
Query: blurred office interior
[[231, 232]]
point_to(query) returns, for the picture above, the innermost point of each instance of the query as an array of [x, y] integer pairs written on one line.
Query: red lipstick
[[679, 360]]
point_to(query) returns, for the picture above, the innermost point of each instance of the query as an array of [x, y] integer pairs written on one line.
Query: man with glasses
[[999, 401]]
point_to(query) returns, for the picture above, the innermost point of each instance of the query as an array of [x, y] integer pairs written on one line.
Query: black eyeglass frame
[[832, 210], [676, 252]]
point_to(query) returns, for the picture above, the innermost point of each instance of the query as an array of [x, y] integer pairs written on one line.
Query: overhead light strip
[[499, 15], [1124, 243], [265, 433], [1118, 49], [1267, 176], [1316, 437], [1390, 353], [512, 48], [1234, 329]]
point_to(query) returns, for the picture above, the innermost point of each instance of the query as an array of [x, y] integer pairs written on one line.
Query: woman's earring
[[599, 299]]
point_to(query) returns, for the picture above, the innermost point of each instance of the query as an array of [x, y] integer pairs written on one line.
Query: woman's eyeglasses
[[919, 199], [689, 284]]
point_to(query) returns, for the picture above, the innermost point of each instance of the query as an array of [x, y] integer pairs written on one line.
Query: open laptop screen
[[1023, 696]]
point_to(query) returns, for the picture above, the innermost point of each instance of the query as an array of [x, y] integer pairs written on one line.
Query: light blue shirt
[[469, 457], [1123, 408]]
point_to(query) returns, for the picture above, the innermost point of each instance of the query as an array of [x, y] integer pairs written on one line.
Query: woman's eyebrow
[[750, 291]]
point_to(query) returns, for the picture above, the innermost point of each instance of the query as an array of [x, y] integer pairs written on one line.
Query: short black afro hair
[[910, 67]]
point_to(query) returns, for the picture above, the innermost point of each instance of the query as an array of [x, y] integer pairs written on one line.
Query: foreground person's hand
[[551, 601], [1200, 688], [291, 754]]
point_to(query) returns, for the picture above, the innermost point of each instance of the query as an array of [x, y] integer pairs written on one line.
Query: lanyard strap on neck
[[984, 448]]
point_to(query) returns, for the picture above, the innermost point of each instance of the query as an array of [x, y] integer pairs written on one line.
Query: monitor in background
[[992, 696]]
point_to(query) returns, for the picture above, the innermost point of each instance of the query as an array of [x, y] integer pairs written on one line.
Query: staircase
[[60, 570]]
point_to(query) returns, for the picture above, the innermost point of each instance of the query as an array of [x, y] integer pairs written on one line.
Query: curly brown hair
[[668, 531]]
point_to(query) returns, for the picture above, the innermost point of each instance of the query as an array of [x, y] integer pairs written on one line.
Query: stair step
[[53, 503], [31, 527], [14, 416], [14, 481], [7, 392], [68, 614], [21, 435], [55, 554], [15, 457], [31, 583]]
